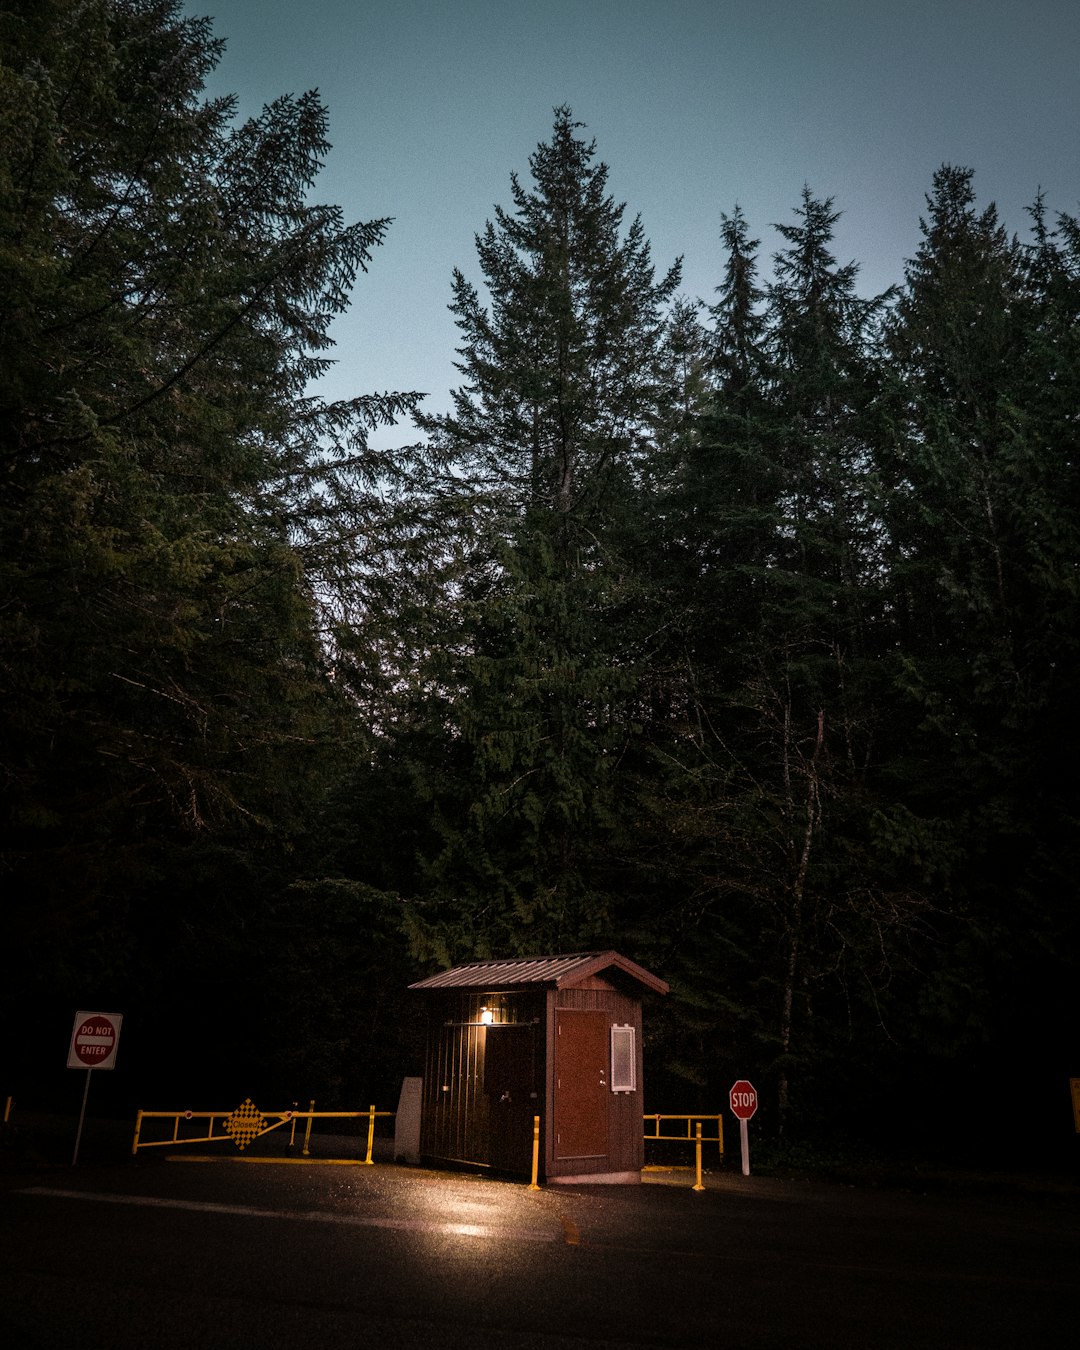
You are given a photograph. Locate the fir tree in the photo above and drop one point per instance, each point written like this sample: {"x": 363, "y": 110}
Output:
{"x": 982, "y": 527}
{"x": 176, "y": 507}
{"x": 543, "y": 457}
{"x": 770, "y": 757}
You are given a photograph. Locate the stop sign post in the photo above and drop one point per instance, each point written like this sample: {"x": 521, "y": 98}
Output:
{"x": 94, "y": 1039}
{"x": 743, "y": 1102}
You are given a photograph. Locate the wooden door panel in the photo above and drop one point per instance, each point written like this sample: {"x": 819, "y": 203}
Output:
{"x": 581, "y": 1084}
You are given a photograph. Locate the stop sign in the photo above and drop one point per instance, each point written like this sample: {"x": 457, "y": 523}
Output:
{"x": 743, "y": 1099}
{"x": 93, "y": 1040}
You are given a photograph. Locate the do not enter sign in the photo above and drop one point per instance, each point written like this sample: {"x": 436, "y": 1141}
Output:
{"x": 94, "y": 1039}
{"x": 743, "y": 1099}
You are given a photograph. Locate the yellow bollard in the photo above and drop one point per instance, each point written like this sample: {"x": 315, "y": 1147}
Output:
{"x": 292, "y": 1128}
{"x": 370, "y": 1133}
{"x": 307, "y": 1132}
{"x": 534, "y": 1185}
{"x": 135, "y": 1141}
{"x": 8, "y": 1105}
{"x": 698, "y": 1185}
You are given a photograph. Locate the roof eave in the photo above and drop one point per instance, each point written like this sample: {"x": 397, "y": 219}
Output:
{"x": 602, "y": 961}
{"x": 582, "y": 968}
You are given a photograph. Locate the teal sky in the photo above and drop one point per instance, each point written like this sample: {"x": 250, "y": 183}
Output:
{"x": 695, "y": 105}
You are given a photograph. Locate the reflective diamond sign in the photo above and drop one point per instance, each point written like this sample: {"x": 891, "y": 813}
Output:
{"x": 246, "y": 1123}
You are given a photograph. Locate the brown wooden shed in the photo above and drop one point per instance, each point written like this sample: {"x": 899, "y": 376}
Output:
{"x": 553, "y": 1036}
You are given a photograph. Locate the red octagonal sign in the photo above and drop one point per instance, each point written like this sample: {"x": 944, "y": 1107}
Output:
{"x": 94, "y": 1040}
{"x": 743, "y": 1099}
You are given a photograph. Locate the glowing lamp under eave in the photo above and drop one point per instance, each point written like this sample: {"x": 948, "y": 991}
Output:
{"x": 486, "y": 1016}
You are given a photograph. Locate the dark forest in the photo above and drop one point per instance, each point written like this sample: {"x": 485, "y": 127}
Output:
{"x": 740, "y": 636}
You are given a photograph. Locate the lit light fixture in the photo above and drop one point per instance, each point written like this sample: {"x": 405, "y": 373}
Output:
{"x": 486, "y": 1017}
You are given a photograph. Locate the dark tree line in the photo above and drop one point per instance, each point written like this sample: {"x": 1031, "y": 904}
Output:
{"x": 739, "y": 637}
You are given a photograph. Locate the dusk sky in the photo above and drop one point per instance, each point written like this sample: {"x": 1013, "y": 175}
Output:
{"x": 695, "y": 105}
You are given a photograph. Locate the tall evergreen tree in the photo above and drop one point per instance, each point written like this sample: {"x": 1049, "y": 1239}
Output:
{"x": 175, "y": 504}
{"x": 982, "y": 525}
{"x": 542, "y": 459}
{"x": 773, "y": 532}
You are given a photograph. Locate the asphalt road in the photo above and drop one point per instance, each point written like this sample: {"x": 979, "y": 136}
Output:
{"x": 154, "y": 1255}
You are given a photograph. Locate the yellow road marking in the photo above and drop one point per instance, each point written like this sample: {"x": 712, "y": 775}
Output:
{"x": 322, "y": 1162}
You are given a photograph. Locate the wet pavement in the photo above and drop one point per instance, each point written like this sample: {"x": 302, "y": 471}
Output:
{"x": 147, "y": 1253}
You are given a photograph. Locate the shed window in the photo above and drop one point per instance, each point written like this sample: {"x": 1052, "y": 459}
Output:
{"x": 623, "y": 1059}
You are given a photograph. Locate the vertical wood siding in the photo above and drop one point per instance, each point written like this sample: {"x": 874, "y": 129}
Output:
{"x": 477, "y": 1120}
{"x": 456, "y": 1120}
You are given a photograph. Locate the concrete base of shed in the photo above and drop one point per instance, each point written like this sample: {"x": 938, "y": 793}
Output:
{"x": 597, "y": 1179}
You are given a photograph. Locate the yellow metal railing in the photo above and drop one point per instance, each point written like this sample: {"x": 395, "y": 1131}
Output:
{"x": 245, "y": 1123}
{"x": 697, "y": 1138}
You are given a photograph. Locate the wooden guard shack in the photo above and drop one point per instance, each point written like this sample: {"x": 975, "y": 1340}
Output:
{"x": 557, "y": 1037}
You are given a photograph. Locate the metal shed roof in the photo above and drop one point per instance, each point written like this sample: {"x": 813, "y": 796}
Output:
{"x": 560, "y": 971}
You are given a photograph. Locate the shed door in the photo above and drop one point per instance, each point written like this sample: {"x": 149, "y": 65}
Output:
{"x": 581, "y": 1084}
{"x": 456, "y": 1126}
{"x": 510, "y": 1086}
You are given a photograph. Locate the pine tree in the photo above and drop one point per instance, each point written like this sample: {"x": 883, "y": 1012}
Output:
{"x": 176, "y": 507}
{"x": 982, "y": 527}
{"x": 770, "y": 790}
{"x": 543, "y": 457}
{"x": 954, "y": 490}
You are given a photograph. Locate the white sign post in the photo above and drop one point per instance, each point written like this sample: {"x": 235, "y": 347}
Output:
{"x": 743, "y": 1102}
{"x": 94, "y": 1039}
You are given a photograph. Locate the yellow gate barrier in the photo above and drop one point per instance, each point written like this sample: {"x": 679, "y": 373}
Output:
{"x": 697, "y": 1139}
{"x": 245, "y": 1123}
